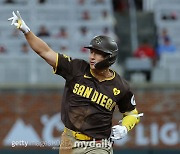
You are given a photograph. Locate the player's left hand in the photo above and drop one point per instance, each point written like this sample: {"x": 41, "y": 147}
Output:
{"x": 118, "y": 132}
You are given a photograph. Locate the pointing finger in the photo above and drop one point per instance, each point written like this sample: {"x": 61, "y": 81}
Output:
{"x": 14, "y": 14}
{"x": 11, "y": 18}
{"x": 18, "y": 14}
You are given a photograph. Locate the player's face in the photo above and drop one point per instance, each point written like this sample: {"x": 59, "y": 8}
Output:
{"x": 95, "y": 57}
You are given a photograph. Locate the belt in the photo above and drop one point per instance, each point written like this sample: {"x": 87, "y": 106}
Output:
{"x": 77, "y": 135}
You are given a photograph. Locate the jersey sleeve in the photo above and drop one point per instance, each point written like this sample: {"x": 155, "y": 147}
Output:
{"x": 127, "y": 103}
{"x": 65, "y": 66}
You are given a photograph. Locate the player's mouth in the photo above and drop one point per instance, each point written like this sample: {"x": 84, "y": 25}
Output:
{"x": 92, "y": 63}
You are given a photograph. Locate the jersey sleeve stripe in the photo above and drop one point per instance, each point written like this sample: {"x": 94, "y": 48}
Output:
{"x": 55, "y": 69}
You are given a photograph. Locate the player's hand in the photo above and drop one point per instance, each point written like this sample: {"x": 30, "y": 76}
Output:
{"x": 18, "y": 22}
{"x": 118, "y": 132}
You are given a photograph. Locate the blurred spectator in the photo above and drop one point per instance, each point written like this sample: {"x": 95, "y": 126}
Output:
{"x": 25, "y": 48}
{"x": 169, "y": 16}
{"x": 166, "y": 47}
{"x": 43, "y": 32}
{"x": 84, "y": 33}
{"x": 2, "y": 49}
{"x": 15, "y": 33}
{"x": 106, "y": 16}
{"x": 81, "y": 2}
{"x": 163, "y": 36}
{"x": 139, "y": 4}
{"x": 64, "y": 48}
{"x": 85, "y": 15}
{"x": 83, "y": 50}
{"x": 62, "y": 33}
{"x": 120, "y": 5}
{"x": 41, "y": 1}
{"x": 174, "y": 15}
{"x": 83, "y": 30}
{"x": 145, "y": 50}
{"x": 106, "y": 31}
{"x": 123, "y": 5}
{"x": 164, "y": 16}
{"x": 9, "y": 1}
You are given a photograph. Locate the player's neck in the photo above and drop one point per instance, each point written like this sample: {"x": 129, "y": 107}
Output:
{"x": 102, "y": 74}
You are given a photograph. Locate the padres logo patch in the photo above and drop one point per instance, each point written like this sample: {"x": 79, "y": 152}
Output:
{"x": 116, "y": 91}
{"x": 98, "y": 40}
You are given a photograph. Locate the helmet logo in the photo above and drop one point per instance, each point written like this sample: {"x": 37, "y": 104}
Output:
{"x": 98, "y": 40}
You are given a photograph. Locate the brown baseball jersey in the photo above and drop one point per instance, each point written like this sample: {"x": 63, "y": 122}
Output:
{"x": 88, "y": 104}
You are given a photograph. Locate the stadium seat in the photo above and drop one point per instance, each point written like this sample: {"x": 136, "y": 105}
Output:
{"x": 53, "y": 14}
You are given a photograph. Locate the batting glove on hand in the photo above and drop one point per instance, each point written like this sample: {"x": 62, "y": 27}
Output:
{"x": 18, "y": 22}
{"x": 118, "y": 132}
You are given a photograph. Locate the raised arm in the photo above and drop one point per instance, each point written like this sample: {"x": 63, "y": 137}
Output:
{"x": 38, "y": 45}
{"x": 41, "y": 48}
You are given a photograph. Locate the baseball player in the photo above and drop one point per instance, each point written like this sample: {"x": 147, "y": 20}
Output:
{"x": 91, "y": 92}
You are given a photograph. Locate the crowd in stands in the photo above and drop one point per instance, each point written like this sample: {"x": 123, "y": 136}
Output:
{"x": 9, "y": 1}
{"x": 43, "y": 32}
{"x": 146, "y": 51}
{"x": 62, "y": 33}
{"x": 165, "y": 45}
{"x": 2, "y": 49}
{"x": 123, "y": 5}
{"x": 15, "y": 1}
{"x": 84, "y": 32}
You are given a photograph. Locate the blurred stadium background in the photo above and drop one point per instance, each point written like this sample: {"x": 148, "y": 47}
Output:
{"x": 30, "y": 94}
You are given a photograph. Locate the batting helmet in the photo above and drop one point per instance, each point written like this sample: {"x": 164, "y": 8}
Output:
{"x": 106, "y": 45}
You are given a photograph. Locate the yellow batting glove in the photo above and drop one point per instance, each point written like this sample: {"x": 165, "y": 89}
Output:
{"x": 131, "y": 119}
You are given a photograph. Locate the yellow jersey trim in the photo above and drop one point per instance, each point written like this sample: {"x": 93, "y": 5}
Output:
{"x": 106, "y": 79}
{"x": 55, "y": 69}
{"x": 88, "y": 77}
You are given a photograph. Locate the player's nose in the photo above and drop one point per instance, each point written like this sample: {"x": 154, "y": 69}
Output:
{"x": 92, "y": 55}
